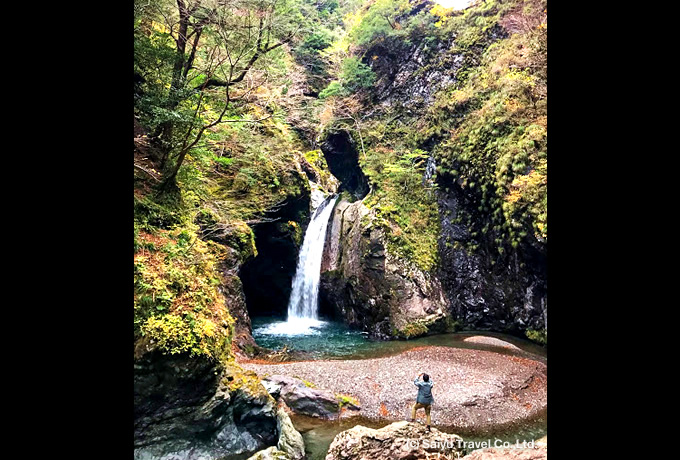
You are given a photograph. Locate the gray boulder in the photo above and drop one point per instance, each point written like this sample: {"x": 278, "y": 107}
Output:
{"x": 397, "y": 441}
{"x": 290, "y": 440}
{"x": 303, "y": 399}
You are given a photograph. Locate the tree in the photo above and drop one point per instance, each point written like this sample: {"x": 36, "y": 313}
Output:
{"x": 216, "y": 45}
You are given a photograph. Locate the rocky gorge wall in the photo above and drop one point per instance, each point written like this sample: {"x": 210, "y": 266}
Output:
{"x": 371, "y": 289}
{"x": 191, "y": 408}
{"x": 483, "y": 286}
{"x": 487, "y": 291}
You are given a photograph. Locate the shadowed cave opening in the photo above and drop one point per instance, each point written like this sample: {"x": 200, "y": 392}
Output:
{"x": 267, "y": 277}
{"x": 342, "y": 157}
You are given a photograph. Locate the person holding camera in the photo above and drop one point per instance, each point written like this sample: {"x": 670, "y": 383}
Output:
{"x": 424, "y": 399}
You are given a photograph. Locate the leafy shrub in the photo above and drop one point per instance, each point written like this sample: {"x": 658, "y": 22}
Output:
{"x": 177, "y": 304}
{"x": 537, "y": 336}
{"x": 411, "y": 330}
{"x": 354, "y": 76}
{"x": 172, "y": 334}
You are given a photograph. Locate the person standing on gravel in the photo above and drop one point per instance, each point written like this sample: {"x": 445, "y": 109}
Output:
{"x": 424, "y": 399}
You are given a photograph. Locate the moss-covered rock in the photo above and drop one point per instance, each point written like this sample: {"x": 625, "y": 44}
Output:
{"x": 177, "y": 303}
{"x": 540, "y": 336}
{"x": 371, "y": 288}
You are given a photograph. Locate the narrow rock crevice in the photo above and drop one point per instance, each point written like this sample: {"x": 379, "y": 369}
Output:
{"x": 342, "y": 157}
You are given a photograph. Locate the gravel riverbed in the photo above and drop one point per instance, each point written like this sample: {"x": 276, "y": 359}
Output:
{"x": 473, "y": 388}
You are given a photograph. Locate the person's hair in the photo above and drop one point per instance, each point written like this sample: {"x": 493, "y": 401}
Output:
{"x": 426, "y": 377}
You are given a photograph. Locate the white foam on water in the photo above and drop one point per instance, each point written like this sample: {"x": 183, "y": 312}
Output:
{"x": 293, "y": 326}
{"x": 303, "y": 305}
{"x": 304, "y": 298}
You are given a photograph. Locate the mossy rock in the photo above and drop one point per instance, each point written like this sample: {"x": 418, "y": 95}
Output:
{"x": 241, "y": 237}
{"x": 347, "y": 401}
{"x": 540, "y": 337}
{"x": 412, "y": 330}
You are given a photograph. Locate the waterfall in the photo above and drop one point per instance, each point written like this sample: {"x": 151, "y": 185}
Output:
{"x": 304, "y": 299}
{"x": 430, "y": 168}
{"x": 303, "y": 306}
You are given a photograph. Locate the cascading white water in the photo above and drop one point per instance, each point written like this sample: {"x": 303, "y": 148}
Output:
{"x": 304, "y": 299}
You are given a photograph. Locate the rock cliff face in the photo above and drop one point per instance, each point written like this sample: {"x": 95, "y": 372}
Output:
{"x": 342, "y": 158}
{"x": 368, "y": 287}
{"x": 508, "y": 295}
{"x": 402, "y": 81}
{"x": 482, "y": 290}
{"x": 194, "y": 408}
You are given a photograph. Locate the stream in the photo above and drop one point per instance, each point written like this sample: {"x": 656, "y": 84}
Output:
{"x": 330, "y": 340}
{"x": 334, "y": 340}
{"x": 310, "y": 337}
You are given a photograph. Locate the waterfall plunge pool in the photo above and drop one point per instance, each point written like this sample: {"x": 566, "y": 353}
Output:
{"x": 333, "y": 340}
{"x": 315, "y": 339}
{"x": 318, "y": 339}
{"x": 321, "y": 339}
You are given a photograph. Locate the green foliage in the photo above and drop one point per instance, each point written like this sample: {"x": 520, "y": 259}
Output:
{"x": 452, "y": 325}
{"x": 404, "y": 202}
{"x": 318, "y": 161}
{"x": 344, "y": 400}
{"x": 492, "y": 124}
{"x": 540, "y": 337}
{"x": 412, "y": 330}
{"x": 378, "y": 20}
{"x": 166, "y": 212}
{"x": 232, "y": 174}
{"x": 172, "y": 334}
{"x": 487, "y": 131}
{"x": 354, "y": 76}
{"x": 309, "y": 52}
{"x": 257, "y": 169}
{"x": 177, "y": 304}
{"x": 334, "y": 88}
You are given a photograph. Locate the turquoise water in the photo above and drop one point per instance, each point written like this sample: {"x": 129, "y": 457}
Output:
{"x": 323, "y": 340}
{"x": 333, "y": 340}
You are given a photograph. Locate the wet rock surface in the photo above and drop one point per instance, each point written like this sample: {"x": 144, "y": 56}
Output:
{"x": 508, "y": 295}
{"x": 369, "y": 288}
{"x": 301, "y": 398}
{"x": 189, "y": 408}
{"x": 484, "y": 291}
{"x": 473, "y": 389}
{"x": 290, "y": 440}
